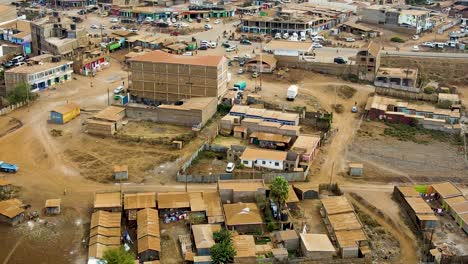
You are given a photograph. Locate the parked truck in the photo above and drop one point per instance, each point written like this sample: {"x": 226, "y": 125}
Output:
{"x": 292, "y": 92}
{"x": 7, "y": 167}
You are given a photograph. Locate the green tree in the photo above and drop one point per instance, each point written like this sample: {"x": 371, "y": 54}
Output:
{"x": 223, "y": 253}
{"x": 21, "y": 93}
{"x": 279, "y": 191}
{"x": 222, "y": 235}
{"x": 118, "y": 256}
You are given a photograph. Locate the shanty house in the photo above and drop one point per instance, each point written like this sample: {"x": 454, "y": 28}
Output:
{"x": 288, "y": 238}
{"x": 173, "y": 200}
{"x": 148, "y": 235}
{"x": 64, "y": 113}
{"x": 245, "y": 249}
{"x": 52, "y": 206}
{"x": 420, "y": 213}
{"x": 352, "y": 243}
{"x": 270, "y": 140}
{"x": 444, "y": 191}
{"x": 243, "y": 217}
{"x": 234, "y": 191}
{"x": 111, "y": 201}
{"x": 104, "y": 234}
{"x": 203, "y": 237}
{"x": 121, "y": 172}
{"x": 269, "y": 159}
{"x": 11, "y": 211}
{"x": 317, "y": 247}
{"x": 305, "y": 190}
{"x": 307, "y": 147}
{"x": 106, "y": 122}
{"x": 136, "y": 201}
{"x": 292, "y": 200}
{"x": 149, "y": 248}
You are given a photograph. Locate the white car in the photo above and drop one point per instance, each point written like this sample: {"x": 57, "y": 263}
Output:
{"x": 114, "y": 20}
{"x": 208, "y": 26}
{"x": 415, "y": 37}
{"x": 230, "y": 167}
{"x": 415, "y": 48}
{"x": 318, "y": 38}
{"x": 350, "y": 40}
{"x": 119, "y": 90}
{"x": 286, "y": 35}
{"x": 278, "y": 36}
{"x": 207, "y": 19}
{"x": 428, "y": 44}
{"x": 241, "y": 71}
{"x": 230, "y": 49}
{"x": 134, "y": 30}
{"x": 188, "y": 53}
{"x": 217, "y": 21}
{"x": 149, "y": 19}
{"x": 94, "y": 26}
{"x": 247, "y": 56}
{"x": 213, "y": 45}
{"x": 123, "y": 28}
{"x": 183, "y": 24}
{"x": 317, "y": 45}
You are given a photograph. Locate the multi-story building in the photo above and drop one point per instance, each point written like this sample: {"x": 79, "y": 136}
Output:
{"x": 72, "y": 3}
{"x": 39, "y": 76}
{"x": 18, "y": 32}
{"x": 57, "y": 35}
{"x": 160, "y": 77}
{"x": 109, "y": 4}
{"x": 412, "y": 20}
{"x": 368, "y": 61}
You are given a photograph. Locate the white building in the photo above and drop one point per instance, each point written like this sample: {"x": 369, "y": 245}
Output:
{"x": 264, "y": 158}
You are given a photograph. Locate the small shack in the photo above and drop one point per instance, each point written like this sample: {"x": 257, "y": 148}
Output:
{"x": 11, "y": 211}
{"x": 317, "y": 246}
{"x": 306, "y": 190}
{"x": 203, "y": 237}
{"x": 106, "y": 122}
{"x": 288, "y": 238}
{"x": 136, "y": 201}
{"x": 149, "y": 248}
{"x": 64, "y": 113}
{"x": 53, "y": 206}
{"x": 121, "y": 172}
{"x": 110, "y": 201}
{"x": 356, "y": 169}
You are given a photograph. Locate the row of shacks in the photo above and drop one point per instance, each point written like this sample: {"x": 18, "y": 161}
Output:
{"x": 232, "y": 205}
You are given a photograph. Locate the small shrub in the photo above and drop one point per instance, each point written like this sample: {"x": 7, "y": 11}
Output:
{"x": 397, "y": 40}
{"x": 271, "y": 226}
{"x": 444, "y": 105}
{"x": 429, "y": 90}
{"x": 338, "y": 108}
{"x": 56, "y": 132}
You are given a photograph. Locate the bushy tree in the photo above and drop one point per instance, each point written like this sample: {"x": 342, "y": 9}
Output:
{"x": 222, "y": 235}
{"x": 21, "y": 93}
{"x": 223, "y": 251}
{"x": 118, "y": 256}
{"x": 279, "y": 191}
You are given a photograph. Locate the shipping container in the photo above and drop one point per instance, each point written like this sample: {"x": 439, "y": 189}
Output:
{"x": 65, "y": 113}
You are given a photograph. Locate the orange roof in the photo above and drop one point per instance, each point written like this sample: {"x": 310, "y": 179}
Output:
{"x": 139, "y": 200}
{"x": 158, "y": 56}
{"x": 11, "y": 208}
{"x": 242, "y": 214}
{"x": 265, "y": 154}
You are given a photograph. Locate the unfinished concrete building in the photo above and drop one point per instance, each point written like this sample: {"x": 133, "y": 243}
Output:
{"x": 397, "y": 78}
{"x": 368, "y": 61}
{"x": 160, "y": 77}
{"x": 57, "y": 35}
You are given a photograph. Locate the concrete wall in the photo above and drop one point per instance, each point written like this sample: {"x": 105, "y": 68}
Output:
{"x": 320, "y": 67}
{"x": 172, "y": 116}
{"x": 452, "y": 70}
{"x": 406, "y": 94}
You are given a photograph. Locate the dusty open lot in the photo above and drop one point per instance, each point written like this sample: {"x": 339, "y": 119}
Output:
{"x": 389, "y": 159}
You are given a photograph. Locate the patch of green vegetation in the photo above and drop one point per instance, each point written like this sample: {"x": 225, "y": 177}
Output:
{"x": 397, "y": 40}
{"x": 366, "y": 219}
{"x": 429, "y": 90}
{"x": 420, "y": 135}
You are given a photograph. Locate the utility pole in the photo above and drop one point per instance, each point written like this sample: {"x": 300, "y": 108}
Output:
{"x": 108, "y": 97}
{"x": 331, "y": 176}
